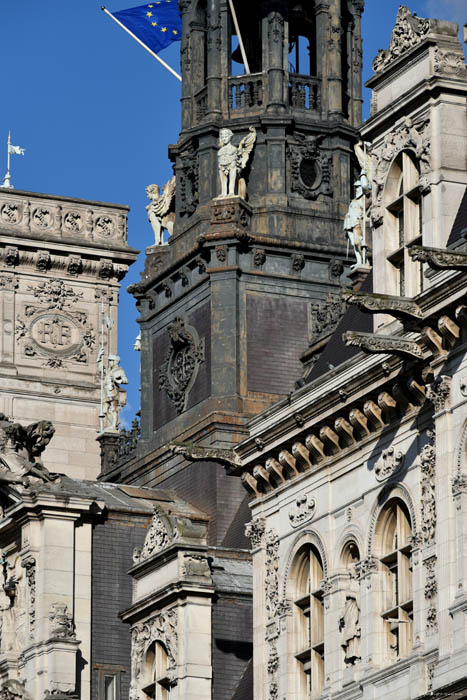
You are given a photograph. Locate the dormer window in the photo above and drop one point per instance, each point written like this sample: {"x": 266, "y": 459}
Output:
{"x": 403, "y": 224}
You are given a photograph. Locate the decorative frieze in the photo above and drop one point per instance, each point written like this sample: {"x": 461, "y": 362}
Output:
{"x": 439, "y": 258}
{"x": 55, "y": 294}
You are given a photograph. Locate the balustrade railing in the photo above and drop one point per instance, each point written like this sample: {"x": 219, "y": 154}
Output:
{"x": 246, "y": 92}
{"x": 304, "y": 92}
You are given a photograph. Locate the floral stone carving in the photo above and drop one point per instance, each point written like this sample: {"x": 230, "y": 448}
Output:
{"x": 310, "y": 168}
{"x": 55, "y": 294}
{"x": 254, "y": 530}
{"x": 428, "y": 466}
{"x": 180, "y": 368}
{"x": 162, "y": 628}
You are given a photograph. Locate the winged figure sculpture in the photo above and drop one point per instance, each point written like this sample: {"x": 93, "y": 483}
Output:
{"x": 161, "y": 210}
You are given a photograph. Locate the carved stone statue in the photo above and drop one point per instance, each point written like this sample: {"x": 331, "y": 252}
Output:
{"x": 232, "y": 160}
{"x": 14, "y": 690}
{"x": 161, "y": 211}
{"x": 349, "y": 624}
{"x": 353, "y": 222}
{"x": 20, "y": 448}
{"x": 113, "y": 376}
{"x": 13, "y": 612}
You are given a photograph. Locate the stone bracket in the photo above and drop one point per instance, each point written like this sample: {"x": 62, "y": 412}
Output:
{"x": 439, "y": 258}
{"x": 372, "y": 343}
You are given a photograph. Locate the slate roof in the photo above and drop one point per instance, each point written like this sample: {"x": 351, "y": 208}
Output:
{"x": 459, "y": 229}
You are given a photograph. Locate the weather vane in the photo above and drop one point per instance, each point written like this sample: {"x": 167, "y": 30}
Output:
{"x": 12, "y": 150}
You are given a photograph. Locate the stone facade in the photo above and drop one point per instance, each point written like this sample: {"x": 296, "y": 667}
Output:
{"x": 357, "y": 523}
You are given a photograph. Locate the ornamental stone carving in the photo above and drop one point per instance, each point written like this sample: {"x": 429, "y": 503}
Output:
{"x": 303, "y": 511}
{"x": 42, "y": 218}
{"x": 42, "y": 261}
{"x": 29, "y": 564}
{"x": 254, "y": 530}
{"x": 55, "y": 294}
{"x": 180, "y": 368}
{"x": 232, "y": 161}
{"x": 388, "y": 464}
{"x": 414, "y": 136}
{"x": 11, "y": 256}
{"x": 20, "y": 450}
{"x": 439, "y": 392}
{"x": 272, "y": 576}
{"x": 384, "y": 303}
{"x": 61, "y": 623}
{"x": 372, "y": 343}
{"x": 428, "y": 502}
{"x": 73, "y": 222}
{"x": 326, "y": 316}
{"x": 157, "y": 537}
{"x": 14, "y": 690}
{"x": 56, "y": 335}
{"x": 195, "y": 565}
{"x": 8, "y": 282}
{"x": 310, "y": 167}
{"x": 11, "y": 213}
{"x": 189, "y": 179}
{"x": 349, "y": 626}
{"x": 449, "y": 62}
{"x": 408, "y": 32}
{"x": 439, "y": 258}
{"x": 162, "y": 628}
{"x": 104, "y": 226}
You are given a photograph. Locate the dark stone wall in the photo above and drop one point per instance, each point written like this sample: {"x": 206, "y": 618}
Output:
{"x": 112, "y": 549}
{"x": 232, "y": 624}
{"x": 164, "y": 410}
{"x": 277, "y": 336}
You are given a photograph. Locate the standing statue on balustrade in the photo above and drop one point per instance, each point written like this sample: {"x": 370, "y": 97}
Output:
{"x": 232, "y": 161}
{"x": 161, "y": 211}
{"x": 113, "y": 399}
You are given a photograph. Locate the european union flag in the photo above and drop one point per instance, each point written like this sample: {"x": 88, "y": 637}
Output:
{"x": 157, "y": 24}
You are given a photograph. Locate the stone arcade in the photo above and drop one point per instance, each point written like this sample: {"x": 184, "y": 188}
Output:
{"x": 289, "y": 519}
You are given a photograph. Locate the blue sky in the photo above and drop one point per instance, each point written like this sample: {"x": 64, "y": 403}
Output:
{"x": 95, "y": 112}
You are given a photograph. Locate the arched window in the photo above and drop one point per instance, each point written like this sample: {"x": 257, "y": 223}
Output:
{"x": 308, "y": 631}
{"x": 156, "y": 683}
{"x": 394, "y": 551}
{"x": 302, "y": 38}
{"x": 250, "y": 24}
{"x": 403, "y": 224}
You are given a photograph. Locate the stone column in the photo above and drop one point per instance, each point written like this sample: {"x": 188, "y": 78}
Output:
{"x": 255, "y": 531}
{"x": 275, "y": 61}
{"x": 335, "y": 60}
{"x": 372, "y": 586}
{"x": 216, "y": 22}
{"x": 459, "y": 607}
{"x": 355, "y": 107}
{"x": 322, "y": 48}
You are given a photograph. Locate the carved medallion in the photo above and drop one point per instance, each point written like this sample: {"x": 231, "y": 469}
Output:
{"x": 303, "y": 511}
{"x": 104, "y": 226}
{"x": 42, "y": 218}
{"x": 11, "y": 213}
{"x": 56, "y": 333}
{"x": 389, "y": 463}
{"x": 73, "y": 222}
{"x": 179, "y": 371}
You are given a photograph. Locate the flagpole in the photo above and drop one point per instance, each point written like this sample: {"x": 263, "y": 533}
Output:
{"x": 8, "y": 160}
{"x": 7, "y": 179}
{"x": 240, "y": 40}
{"x": 166, "y": 65}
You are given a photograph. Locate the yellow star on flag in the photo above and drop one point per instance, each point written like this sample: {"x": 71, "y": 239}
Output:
{"x": 164, "y": 29}
{"x": 154, "y": 24}
{"x": 148, "y": 14}
{"x": 174, "y": 31}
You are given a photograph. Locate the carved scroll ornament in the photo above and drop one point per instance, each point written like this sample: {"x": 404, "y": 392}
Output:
{"x": 180, "y": 368}
{"x": 310, "y": 167}
{"x": 162, "y": 628}
{"x": 408, "y": 31}
{"x": 372, "y": 343}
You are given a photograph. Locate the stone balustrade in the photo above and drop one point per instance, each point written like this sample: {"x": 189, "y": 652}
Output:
{"x": 245, "y": 92}
{"x": 304, "y": 92}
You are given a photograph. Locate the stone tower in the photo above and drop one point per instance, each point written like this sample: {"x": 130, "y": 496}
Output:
{"x": 236, "y": 270}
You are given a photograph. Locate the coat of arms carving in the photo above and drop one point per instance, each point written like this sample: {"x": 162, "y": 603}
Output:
{"x": 179, "y": 371}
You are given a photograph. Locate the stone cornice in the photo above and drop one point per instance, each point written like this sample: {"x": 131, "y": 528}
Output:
{"x": 384, "y": 303}
{"x": 439, "y": 258}
{"x": 388, "y": 344}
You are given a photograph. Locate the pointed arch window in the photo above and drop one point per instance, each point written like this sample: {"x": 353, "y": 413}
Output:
{"x": 403, "y": 224}
{"x": 308, "y": 622}
{"x": 395, "y": 553}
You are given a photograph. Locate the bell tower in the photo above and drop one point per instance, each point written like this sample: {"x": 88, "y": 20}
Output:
{"x": 229, "y": 306}
{"x": 300, "y": 87}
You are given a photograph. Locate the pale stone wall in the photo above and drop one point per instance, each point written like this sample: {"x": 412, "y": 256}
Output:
{"x": 61, "y": 260}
